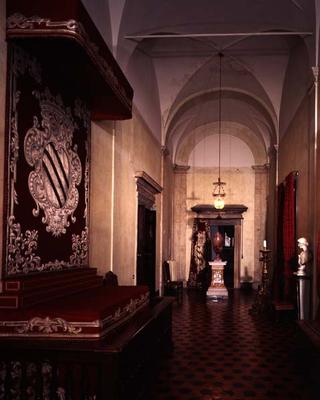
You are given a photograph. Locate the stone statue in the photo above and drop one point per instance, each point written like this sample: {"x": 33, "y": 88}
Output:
{"x": 304, "y": 257}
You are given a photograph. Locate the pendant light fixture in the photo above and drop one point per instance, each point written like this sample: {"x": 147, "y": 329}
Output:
{"x": 218, "y": 188}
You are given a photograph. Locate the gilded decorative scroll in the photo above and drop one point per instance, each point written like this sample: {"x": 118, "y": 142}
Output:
{"x": 48, "y": 325}
{"x": 79, "y": 248}
{"x": 56, "y": 166}
{"x": 21, "y": 250}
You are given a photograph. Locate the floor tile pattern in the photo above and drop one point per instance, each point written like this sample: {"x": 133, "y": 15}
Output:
{"x": 221, "y": 352}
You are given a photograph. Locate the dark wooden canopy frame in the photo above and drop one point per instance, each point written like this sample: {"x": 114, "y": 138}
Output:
{"x": 230, "y": 215}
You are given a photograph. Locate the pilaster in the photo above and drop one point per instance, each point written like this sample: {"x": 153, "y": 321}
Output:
{"x": 180, "y": 218}
{"x": 260, "y": 213}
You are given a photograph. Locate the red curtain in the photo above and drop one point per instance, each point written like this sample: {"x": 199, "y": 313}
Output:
{"x": 289, "y": 233}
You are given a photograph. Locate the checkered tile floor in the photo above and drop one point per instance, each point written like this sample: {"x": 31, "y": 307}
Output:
{"x": 221, "y": 352}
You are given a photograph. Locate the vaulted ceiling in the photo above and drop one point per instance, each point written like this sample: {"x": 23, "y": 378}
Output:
{"x": 169, "y": 51}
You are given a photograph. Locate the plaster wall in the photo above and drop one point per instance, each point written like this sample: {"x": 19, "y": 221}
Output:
{"x": 99, "y": 13}
{"x": 116, "y": 9}
{"x": 101, "y": 196}
{"x": 240, "y": 189}
{"x": 3, "y": 64}
{"x": 172, "y": 74}
{"x": 180, "y": 223}
{"x": 135, "y": 150}
{"x": 298, "y": 81}
{"x": 260, "y": 216}
{"x": 295, "y": 154}
{"x": 141, "y": 75}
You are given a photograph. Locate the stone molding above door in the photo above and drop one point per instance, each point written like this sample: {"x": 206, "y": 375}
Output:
{"x": 147, "y": 188}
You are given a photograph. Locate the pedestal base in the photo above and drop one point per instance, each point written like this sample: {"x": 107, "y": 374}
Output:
{"x": 303, "y": 296}
{"x": 217, "y": 288}
{"x": 217, "y": 292}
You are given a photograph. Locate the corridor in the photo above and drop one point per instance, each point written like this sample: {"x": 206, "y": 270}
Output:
{"x": 221, "y": 352}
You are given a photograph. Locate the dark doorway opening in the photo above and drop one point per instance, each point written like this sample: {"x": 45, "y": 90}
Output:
{"x": 146, "y": 252}
{"x": 227, "y": 231}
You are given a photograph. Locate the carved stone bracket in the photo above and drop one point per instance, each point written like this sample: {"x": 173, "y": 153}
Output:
{"x": 165, "y": 151}
{"x": 181, "y": 169}
{"x": 261, "y": 168}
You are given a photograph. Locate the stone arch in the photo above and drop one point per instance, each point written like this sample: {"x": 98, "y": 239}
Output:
{"x": 240, "y": 131}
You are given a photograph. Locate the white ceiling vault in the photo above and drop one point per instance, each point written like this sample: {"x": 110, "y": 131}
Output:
{"x": 169, "y": 51}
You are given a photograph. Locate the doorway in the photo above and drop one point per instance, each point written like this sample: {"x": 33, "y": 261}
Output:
{"x": 227, "y": 254}
{"x": 147, "y": 189}
{"x": 146, "y": 248}
{"x": 229, "y": 220}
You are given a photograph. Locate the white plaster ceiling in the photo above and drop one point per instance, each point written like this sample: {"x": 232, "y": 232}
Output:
{"x": 175, "y": 79}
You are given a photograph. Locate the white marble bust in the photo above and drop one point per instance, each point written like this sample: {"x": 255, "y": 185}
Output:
{"x": 304, "y": 257}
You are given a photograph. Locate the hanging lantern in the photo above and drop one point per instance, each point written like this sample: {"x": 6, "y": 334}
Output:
{"x": 218, "y": 189}
{"x": 218, "y": 194}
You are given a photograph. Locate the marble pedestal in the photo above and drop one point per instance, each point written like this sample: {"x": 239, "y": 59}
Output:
{"x": 217, "y": 288}
{"x": 303, "y": 296}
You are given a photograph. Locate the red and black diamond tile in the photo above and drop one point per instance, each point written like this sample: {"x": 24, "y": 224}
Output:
{"x": 221, "y": 352}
